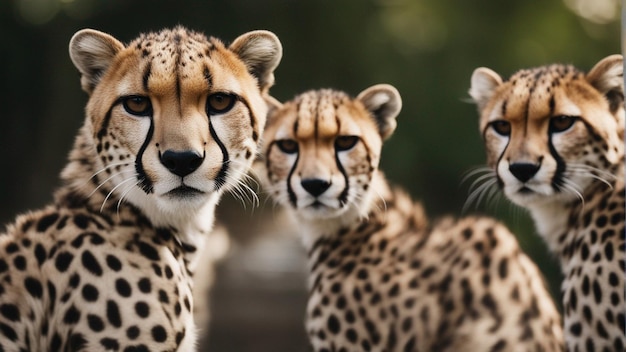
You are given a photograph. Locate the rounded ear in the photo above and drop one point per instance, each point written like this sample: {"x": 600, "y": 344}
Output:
{"x": 483, "y": 84}
{"x": 261, "y": 51}
{"x": 92, "y": 52}
{"x": 273, "y": 105}
{"x": 607, "y": 76}
{"x": 383, "y": 101}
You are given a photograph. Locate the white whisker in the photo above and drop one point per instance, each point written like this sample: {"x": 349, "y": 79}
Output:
{"x": 105, "y": 181}
{"x": 113, "y": 190}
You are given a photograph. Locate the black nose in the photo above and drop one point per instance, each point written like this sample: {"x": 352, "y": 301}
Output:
{"x": 181, "y": 163}
{"x": 524, "y": 171}
{"x": 315, "y": 186}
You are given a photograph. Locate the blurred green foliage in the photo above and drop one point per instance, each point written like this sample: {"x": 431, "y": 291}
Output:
{"x": 426, "y": 48}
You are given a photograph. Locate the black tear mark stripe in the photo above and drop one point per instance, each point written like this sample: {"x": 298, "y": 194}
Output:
{"x": 557, "y": 180}
{"x": 343, "y": 197}
{"x": 144, "y": 181}
{"x": 290, "y": 192}
{"x": 220, "y": 179}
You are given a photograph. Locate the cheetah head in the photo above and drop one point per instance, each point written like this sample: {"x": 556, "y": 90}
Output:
{"x": 322, "y": 149}
{"x": 173, "y": 118}
{"x": 551, "y": 131}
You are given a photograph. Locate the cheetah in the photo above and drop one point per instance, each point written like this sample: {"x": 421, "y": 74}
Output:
{"x": 382, "y": 277}
{"x": 172, "y": 121}
{"x": 554, "y": 141}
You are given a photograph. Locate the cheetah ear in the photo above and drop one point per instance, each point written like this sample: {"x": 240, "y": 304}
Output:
{"x": 261, "y": 51}
{"x": 273, "y": 106}
{"x": 92, "y": 52}
{"x": 607, "y": 76}
{"x": 383, "y": 101}
{"x": 483, "y": 84}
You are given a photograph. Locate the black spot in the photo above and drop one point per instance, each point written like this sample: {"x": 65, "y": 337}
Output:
{"x": 179, "y": 336}
{"x": 19, "y": 262}
{"x": 132, "y": 332}
{"x": 10, "y": 311}
{"x": 575, "y": 329}
{"x": 148, "y": 251}
{"x": 40, "y": 254}
{"x": 33, "y": 286}
{"x": 91, "y": 263}
{"x": 498, "y": 346}
{"x": 3, "y": 266}
{"x": 407, "y": 323}
{"x": 63, "y": 261}
{"x": 142, "y": 309}
{"x": 145, "y": 285}
{"x": 90, "y": 293}
{"x": 590, "y": 345}
{"x": 55, "y": 343}
{"x": 362, "y": 274}
{"x": 597, "y": 291}
{"x": 123, "y": 287}
{"x": 608, "y": 251}
{"x": 72, "y": 316}
{"x": 163, "y": 298}
{"x": 81, "y": 221}
{"x": 74, "y": 280}
{"x": 45, "y": 222}
{"x": 503, "y": 268}
{"x": 137, "y": 348}
{"x": 410, "y": 345}
{"x": 110, "y": 344}
{"x": 95, "y": 323}
{"x": 113, "y": 314}
{"x": 77, "y": 342}
{"x": 333, "y": 324}
{"x": 12, "y": 248}
{"x": 613, "y": 279}
{"x": 168, "y": 272}
{"x": 113, "y": 263}
{"x": 158, "y": 333}
{"x": 351, "y": 335}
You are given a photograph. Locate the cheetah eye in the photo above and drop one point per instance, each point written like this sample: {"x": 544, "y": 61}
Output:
{"x": 137, "y": 105}
{"x": 287, "y": 146}
{"x": 343, "y": 143}
{"x": 501, "y": 127}
{"x": 561, "y": 123}
{"x": 220, "y": 103}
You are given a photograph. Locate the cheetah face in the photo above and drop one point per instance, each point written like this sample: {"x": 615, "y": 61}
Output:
{"x": 175, "y": 117}
{"x": 551, "y": 131}
{"x": 322, "y": 148}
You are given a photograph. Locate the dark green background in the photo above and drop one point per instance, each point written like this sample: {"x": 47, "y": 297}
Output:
{"x": 426, "y": 48}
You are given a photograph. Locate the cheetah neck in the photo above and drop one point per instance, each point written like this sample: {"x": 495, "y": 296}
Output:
{"x": 561, "y": 224}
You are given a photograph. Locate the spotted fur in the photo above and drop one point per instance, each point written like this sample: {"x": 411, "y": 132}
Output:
{"x": 171, "y": 123}
{"x": 554, "y": 140}
{"x": 381, "y": 276}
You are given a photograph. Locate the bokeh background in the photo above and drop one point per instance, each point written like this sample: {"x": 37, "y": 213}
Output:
{"x": 426, "y": 48}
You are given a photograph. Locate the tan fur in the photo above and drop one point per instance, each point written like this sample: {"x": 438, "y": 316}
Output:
{"x": 382, "y": 277}
{"x": 571, "y": 179}
{"x": 109, "y": 265}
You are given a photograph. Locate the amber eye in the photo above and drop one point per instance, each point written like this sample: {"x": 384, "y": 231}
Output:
{"x": 288, "y": 146}
{"x": 219, "y": 103}
{"x": 137, "y": 105}
{"x": 345, "y": 142}
{"x": 561, "y": 123}
{"x": 501, "y": 127}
